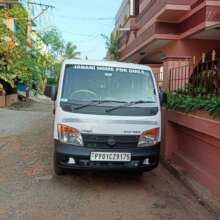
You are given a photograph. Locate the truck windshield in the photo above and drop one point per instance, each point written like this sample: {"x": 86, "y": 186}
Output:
{"x": 88, "y": 83}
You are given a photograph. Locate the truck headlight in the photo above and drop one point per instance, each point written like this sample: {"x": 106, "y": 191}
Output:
{"x": 69, "y": 135}
{"x": 149, "y": 138}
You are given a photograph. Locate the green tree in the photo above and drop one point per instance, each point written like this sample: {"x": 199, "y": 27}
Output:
{"x": 70, "y": 51}
{"x": 59, "y": 49}
{"x": 55, "y": 42}
{"x": 11, "y": 53}
{"x": 38, "y": 64}
{"x": 8, "y": 54}
{"x": 112, "y": 46}
{"x": 17, "y": 63}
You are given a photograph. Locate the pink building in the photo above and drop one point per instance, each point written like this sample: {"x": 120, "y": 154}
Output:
{"x": 170, "y": 34}
{"x": 167, "y": 32}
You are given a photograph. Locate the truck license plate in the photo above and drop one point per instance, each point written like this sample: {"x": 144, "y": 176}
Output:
{"x": 110, "y": 156}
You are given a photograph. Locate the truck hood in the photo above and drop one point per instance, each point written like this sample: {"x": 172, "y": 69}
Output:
{"x": 104, "y": 124}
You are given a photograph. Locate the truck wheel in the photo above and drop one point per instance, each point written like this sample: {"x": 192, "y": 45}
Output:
{"x": 58, "y": 171}
{"x": 136, "y": 173}
{"x": 140, "y": 173}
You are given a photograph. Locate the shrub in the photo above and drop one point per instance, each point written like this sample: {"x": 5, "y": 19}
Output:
{"x": 190, "y": 103}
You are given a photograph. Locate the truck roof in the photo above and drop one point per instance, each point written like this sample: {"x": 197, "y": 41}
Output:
{"x": 107, "y": 63}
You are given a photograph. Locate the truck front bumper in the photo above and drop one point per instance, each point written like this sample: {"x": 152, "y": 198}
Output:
{"x": 81, "y": 156}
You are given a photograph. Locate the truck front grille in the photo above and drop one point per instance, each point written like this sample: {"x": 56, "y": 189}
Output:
{"x": 110, "y": 141}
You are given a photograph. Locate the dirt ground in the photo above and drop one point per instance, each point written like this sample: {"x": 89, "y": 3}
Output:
{"x": 29, "y": 190}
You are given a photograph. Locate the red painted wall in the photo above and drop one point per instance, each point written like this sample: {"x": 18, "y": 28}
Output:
{"x": 187, "y": 47}
{"x": 192, "y": 142}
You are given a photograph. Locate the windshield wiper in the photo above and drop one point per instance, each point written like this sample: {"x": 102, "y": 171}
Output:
{"x": 96, "y": 103}
{"x": 127, "y": 105}
{"x": 109, "y": 100}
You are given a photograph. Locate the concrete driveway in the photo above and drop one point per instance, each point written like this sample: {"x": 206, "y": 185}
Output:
{"x": 30, "y": 191}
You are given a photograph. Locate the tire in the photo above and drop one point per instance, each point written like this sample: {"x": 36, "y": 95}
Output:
{"x": 57, "y": 170}
{"x": 136, "y": 173}
{"x": 139, "y": 173}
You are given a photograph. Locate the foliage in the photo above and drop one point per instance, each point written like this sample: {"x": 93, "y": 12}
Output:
{"x": 190, "y": 89}
{"x": 55, "y": 42}
{"x": 21, "y": 23}
{"x": 207, "y": 76}
{"x": 57, "y": 69}
{"x": 59, "y": 50}
{"x": 51, "y": 81}
{"x": 38, "y": 65}
{"x": 189, "y": 103}
{"x": 112, "y": 45}
{"x": 57, "y": 46}
{"x": 42, "y": 85}
{"x": 12, "y": 50}
{"x": 1, "y": 89}
{"x": 10, "y": 66}
{"x": 70, "y": 51}
{"x": 20, "y": 63}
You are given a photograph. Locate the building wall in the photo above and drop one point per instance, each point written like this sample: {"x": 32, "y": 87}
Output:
{"x": 123, "y": 13}
{"x": 177, "y": 31}
{"x": 189, "y": 48}
{"x": 165, "y": 24}
{"x": 192, "y": 143}
{"x": 144, "y": 4}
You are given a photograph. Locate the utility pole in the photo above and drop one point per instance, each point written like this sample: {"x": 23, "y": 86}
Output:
{"x": 29, "y": 23}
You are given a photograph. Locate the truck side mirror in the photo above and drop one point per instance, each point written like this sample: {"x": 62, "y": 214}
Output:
{"x": 163, "y": 97}
{"x": 53, "y": 92}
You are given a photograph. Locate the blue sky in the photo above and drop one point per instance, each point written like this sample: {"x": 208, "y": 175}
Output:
{"x": 78, "y": 21}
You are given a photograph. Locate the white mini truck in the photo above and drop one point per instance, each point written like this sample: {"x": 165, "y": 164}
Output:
{"x": 107, "y": 117}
